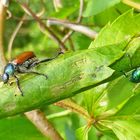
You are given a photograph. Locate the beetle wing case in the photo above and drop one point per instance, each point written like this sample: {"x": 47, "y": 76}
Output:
{"x": 23, "y": 57}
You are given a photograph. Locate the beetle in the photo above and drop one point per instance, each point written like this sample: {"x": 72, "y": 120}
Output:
{"x": 135, "y": 76}
{"x": 23, "y": 64}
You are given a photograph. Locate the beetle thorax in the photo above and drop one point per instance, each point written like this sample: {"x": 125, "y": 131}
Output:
{"x": 9, "y": 69}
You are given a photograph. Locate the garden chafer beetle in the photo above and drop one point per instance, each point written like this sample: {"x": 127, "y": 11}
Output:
{"x": 23, "y": 64}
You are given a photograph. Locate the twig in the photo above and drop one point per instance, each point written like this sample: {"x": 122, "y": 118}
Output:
{"x": 76, "y": 27}
{"x": 10, "y": 44}
{"x": 9, "y": 14}
{"x": 38, "y": 118}
{"x": 49, "y": 20}
{"x": 57, "y": 4}
{"x": 133, "y": 4}
{"x": 80, "y": 11}
{"x": 42, "y": 25}
{"x": 71, "y": 44}
{"x": 78, "y": 21}
{"x": 64, "y": 39}
{"x": 59, "y": 114}
{"x": 45, "y": 18}
{"x": 69, "y": 104}
{"x": 3, "y": 9}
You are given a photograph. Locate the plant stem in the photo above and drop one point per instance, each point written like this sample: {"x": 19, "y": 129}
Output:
{"x": 2, "y": 19}
{"x": 57, "y": 4}
{"x": 133, "y": 4}
{"x": 10, "y": 44}
{"x": 78, "y": 21}
{"x": 73, "y": 26}
{"x": 69, "y": 104}
{"x": 59, "y": 114}
{"x": 38, "y": 118}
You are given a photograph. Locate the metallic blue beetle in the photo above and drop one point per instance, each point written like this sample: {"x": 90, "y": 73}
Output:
{"x": 135, "y": 76}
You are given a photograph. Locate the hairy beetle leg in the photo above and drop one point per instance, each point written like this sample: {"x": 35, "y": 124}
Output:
{"x": 41, "y": 61}
{"x": 45, "y": 60}
{"x": 18, "y": 85}
{"x": 37, "y": 73}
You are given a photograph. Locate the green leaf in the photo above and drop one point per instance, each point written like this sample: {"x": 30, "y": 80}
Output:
{"x": 82, "y": 133}
{"x": 122, "y": 113}
{"x": 126, "y": 122}
{"x": 92, "y": 134}
{"x": 110, "y": 14}
{"x": 125, "y": 63}
{"x": 106, "y": 16}
{"x": 125, "y": 26}
{"x": 64, "y": 12}
{"x": 122, "y": 109}
{"x": 110, "y": 96}
{"x": 124, "y": 128}
{"x": 106, "y": 137}
{"x": 82, "y": 41}
{"x": 96, "y": 6}
{"x": 92, "y": 98}
{"x": 68, "y": 75}
{"x": 131, "y": 107}
{"x": 117, "y": 93}
{"x": 18, "y": 127}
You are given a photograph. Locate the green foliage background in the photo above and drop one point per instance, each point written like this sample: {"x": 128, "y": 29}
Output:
{"x": 107, "y": 95}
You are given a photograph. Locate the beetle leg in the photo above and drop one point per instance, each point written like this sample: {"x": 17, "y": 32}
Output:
{"x": 48, "y": 59}
{"x": 45, "y": 60}
{"x": 41, "y": 61}
{"x": 18, "y": 85}
{"x": 37, "y": 73}
{"x": 34, "y": 72}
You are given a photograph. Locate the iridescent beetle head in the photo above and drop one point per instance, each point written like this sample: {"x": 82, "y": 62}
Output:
{"x": 8, "y": 71}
